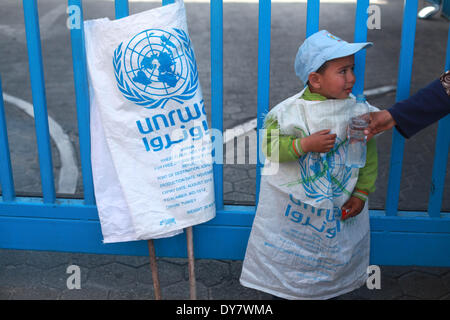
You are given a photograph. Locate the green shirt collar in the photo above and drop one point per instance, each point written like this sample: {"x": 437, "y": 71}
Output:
{"x": 309, "y": 96}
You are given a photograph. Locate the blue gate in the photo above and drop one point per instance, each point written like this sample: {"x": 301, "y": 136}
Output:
{"x": 60, "y": 224}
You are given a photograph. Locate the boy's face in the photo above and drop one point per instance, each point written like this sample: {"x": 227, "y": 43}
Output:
{"x": 337, "y": 81}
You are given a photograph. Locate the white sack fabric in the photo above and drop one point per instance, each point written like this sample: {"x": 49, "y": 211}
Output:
{"x": 150, "y": 142}
{"x": 298, "y": 247}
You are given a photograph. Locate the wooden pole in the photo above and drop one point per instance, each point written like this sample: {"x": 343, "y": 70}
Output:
{"x": 154, "y": 268}
{"x": 190, "y": 251}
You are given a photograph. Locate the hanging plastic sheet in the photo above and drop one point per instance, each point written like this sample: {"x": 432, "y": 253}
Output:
{"x": 151, "y": 146}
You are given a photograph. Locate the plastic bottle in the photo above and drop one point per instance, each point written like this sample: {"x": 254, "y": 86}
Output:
{"x": 358, "y": 120}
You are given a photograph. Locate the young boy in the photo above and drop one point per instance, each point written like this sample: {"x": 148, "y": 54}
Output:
{"x": 301, "y": 245}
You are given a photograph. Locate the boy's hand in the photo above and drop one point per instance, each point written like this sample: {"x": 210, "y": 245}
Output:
{"x": 352, "y": 208}
{"x": 321, "y": 141}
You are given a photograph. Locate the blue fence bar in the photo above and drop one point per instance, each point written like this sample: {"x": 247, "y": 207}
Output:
{"x": 312, "y": 17}
{"x": 121, "y": 8}
{"x": 82, "y": 101}
{"x": 216, "y": 13}
{"x": 264, "y": 21}
{"x": 360, "y": 36}
{"x": 39, "y": 100}
{"x": 403, "y": 88}
{"x": 440, "y": 157}
{"x": 6, "y": 177}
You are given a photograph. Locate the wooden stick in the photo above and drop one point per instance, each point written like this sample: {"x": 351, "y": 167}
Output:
{"x": 154, "y": 268}
{"x": 190, "y": 251}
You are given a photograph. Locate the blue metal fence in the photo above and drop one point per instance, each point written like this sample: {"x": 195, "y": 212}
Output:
{"x": 50, "y": 223}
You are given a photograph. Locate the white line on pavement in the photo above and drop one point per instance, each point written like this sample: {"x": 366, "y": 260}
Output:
{"x": 46, "y": 22}
{"x": 68, "y": 174}
{"x": 245, "y": 127}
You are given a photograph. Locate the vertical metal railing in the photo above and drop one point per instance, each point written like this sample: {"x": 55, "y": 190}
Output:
{"x": 216, "y": 16}
{"x": 360, "y": 35}
{"x": 312, "y": 17}
{"x": 440, "y": 157}
{"x": 264, "y": 23}
{"x": 6, "y": 177}
{"x": 403, "y": 88}
{"x": 82, "y": 104}
{"x": 39, "y": 99}
{"x": 121, "y": 8}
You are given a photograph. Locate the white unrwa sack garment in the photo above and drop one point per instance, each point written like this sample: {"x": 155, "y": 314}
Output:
{"x": 151, "y": 146}
{"x": 298, "y": 247}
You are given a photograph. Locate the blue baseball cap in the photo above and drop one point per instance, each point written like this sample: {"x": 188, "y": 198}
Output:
{"x": 321, "y": 47}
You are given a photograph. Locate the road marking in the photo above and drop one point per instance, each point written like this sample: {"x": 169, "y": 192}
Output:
{"x": 48, "y": 20}
{"x": 46, "y": 23}
{"x": 379, "y": 90}
{"x": 68, "y": 173}
{"x": 239, "y": 130}
{"x": 244, "y": 128}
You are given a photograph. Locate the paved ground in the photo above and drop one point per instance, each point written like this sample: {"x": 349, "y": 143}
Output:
{"x": 32, "y": 275}
{"x": 42, "y": 275}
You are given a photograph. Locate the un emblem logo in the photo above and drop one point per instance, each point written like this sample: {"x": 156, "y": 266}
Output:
{"x": 324, "y": 173}
{"x": 155, "y": 67}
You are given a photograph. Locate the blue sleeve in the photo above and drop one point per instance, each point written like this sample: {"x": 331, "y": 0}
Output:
{"x": 428, "y": 105}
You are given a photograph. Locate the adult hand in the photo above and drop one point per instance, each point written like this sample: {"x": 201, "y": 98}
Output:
{"x": 321, "y": 141}
{"x": 379, "y": 121}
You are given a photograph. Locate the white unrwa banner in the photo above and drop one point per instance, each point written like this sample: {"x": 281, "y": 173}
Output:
{"x": 151, "y": 146}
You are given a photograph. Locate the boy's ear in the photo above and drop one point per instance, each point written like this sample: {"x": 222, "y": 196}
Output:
{"x": 314, "y": 80}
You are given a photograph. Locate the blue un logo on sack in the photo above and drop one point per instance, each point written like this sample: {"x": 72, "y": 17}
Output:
{"x": 155, "y": 67}
{"x": 325, "y": 176}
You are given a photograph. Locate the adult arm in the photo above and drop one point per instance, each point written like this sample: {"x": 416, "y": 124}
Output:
{"x": 425, "y": 107}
